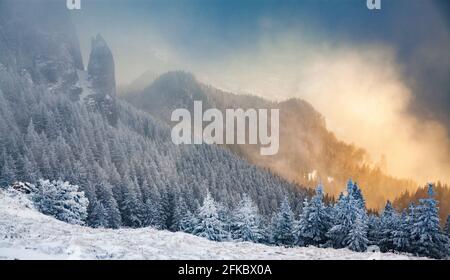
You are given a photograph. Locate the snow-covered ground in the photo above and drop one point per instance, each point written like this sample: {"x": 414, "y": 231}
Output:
{"x": 27, "y": 234}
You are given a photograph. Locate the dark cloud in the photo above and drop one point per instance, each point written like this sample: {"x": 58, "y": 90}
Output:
{"x": 207, "y": 30}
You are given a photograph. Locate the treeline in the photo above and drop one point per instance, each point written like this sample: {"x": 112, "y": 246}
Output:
{"x": 306, "y": 144}
{"x": 442, "y": 195}
{"x": 345, "y": 224}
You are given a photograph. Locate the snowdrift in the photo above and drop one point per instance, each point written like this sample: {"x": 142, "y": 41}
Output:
{"x": 27, "y": 234}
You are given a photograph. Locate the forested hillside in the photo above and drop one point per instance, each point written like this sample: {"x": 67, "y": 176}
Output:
{"x": 60, "y": 122}
{"x": 309, "y": 153}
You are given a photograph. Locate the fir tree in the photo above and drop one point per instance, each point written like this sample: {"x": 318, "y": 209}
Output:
{"x": 246, "y": 222}
{"x": 373, "y": 233}
{"x": 182, "y": 217}
{"x": 389, "y": 223}
{"x": 357, "y": 237}
{"x": 427, "y": 237}
{"x": 447, "y": 226}
{"x": 61, "y": 200}
{"x": 283, "y": 225}
{"x": 8, "y": 173}
{"x": 209, "y": 225}
{"x": 314, "y": 221}
{"x": 401, "y": 234}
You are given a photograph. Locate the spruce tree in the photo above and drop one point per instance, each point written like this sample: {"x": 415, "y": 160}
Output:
{"x": 402, "y": 233}
{"x": 209, "y": 225}
{"x": 283, "y": 225}
{"x": 314, "y": 221}
{"x": 357, "y": 236}
{"x": 246, "y": 224}
{"x": 447, "y": 226}
{"x": 61, "y": 200}
{"x": 427, "y": 237}
{"x": 389, "y": 223}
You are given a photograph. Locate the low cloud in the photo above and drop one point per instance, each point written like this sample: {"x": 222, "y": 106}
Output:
{"x": 358, "y": 88}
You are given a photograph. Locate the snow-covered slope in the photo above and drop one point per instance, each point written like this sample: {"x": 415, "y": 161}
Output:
{"x": 27, "y": 234}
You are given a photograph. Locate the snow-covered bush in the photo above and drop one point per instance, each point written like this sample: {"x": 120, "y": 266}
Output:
{"x": 61, "y": 200}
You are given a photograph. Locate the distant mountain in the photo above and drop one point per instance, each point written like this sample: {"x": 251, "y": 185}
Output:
{"x": 309, "y": 153}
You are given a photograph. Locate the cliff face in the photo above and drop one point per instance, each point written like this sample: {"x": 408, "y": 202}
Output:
{"x": 101, "y": 68}
{"x": 39, "y": 39}
{"x": 101, "y": 79}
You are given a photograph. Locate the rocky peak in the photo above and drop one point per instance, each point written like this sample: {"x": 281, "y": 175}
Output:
{"x": 101, "y": 68}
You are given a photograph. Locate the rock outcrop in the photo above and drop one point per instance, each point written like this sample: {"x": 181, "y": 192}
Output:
{"x": 38, "y": 39}
{"x": 101, "y": 68}
{"x": 101, "y": 77}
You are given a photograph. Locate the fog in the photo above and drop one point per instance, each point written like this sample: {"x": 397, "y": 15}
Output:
{"x": 380, "y": 81}
{"x": 359, "y": 89}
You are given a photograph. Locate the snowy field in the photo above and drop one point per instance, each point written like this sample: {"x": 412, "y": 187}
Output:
{"x": 28, "y": 234}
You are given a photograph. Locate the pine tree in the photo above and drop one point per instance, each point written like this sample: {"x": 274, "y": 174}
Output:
{"x": 357, "y": 237}
{"x": 428, "y": 239}
{"x": 246, "y": 222}
{"x": 182, "y": 217}
{"x": 283, "y": 225}
{"x": 389, "y": 224}
{"x": 447, "y": 226}
{"x": 209, "y": 225}
{"x": 314, "y": 221}
{"x": 342, "y": 222}
{"x": 401, "y": 234}
{"x": 152, "y": 208}
{"x": 374, "y": 230}
{"x": 345, "y": 230}
{"x": 354, "y": 191}
{"x": 109, "y": 203}
{"x": 8, "y": 173}
{"x": 129, "y": 205}
{"x": 98, "y": 215}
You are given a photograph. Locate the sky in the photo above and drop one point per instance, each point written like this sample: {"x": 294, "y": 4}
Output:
{"x": 381, "y": 78}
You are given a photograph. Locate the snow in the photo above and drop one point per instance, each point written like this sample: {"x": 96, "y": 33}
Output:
{"x": 27, "y": 234}
{"x": 84, "y": 84}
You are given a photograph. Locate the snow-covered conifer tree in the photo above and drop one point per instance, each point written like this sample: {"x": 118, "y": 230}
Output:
{"x": 209, "y": 225}
{"x": 246, "y": 221}
{"x": 283, "y": 225}
{"x": 357, "y": 237}
{"x": 61, "y": 200}
{"x": 447, "y": 226}
{"x": 314, "y": 221}
{"x": 427, "y": 237}
{"x": 401, "y": 234}
{"x": 388, "y": 224}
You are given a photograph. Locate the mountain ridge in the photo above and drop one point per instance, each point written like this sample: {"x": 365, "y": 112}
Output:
{"x": 309, "y": 152}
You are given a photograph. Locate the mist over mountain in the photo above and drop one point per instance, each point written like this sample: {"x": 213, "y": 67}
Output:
{"x": 70, "y": 148}
{"x": 59, "y": 121}
{"x": 42, "y": 46}
{"x": 309, "y": 153}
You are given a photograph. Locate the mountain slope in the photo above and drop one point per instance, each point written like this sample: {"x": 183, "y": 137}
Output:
{"x": 131, "y": 172}
{"x": 308, "y": 153}
{"x": 28, "y": 234}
